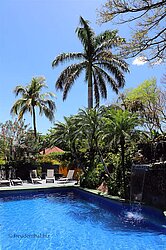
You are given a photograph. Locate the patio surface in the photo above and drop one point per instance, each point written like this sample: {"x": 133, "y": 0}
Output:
{"x": 27, "y": 185}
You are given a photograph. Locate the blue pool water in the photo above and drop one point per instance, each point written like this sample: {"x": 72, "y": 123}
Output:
{"x": 71, "y": 219}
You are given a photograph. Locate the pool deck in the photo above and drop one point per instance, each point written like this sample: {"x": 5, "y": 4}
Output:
{"x": 41, "y": 185}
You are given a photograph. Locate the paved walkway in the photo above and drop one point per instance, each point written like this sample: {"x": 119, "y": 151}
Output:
{"x": 42, "y": 184}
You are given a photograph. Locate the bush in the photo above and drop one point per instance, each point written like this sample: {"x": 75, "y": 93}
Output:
{"x": 92, "y": 178}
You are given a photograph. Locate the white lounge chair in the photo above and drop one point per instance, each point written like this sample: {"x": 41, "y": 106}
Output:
{"x": 16, "y": 181}
{"x": 13, "y": 179}
{"x": 34, "y": 177}
{"x": 3, "y": 180}
{"x": 50, "y": 176}
{"x": 69, "y": 177}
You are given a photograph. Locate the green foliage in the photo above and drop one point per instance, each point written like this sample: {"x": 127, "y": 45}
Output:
{"x": 148, "y": 101}
{"x": 100, "y": 64}
{"x": 92, "y": 178}
{"x": 63, "y": 134}
{"x": 119, "y": 129}
{"x": 51, "y": 158}
{"x": 119, "y": 125}
{"x": 146, "y": 92}
{"x": 98, "y": 139}
{"x": 17, "y": 142}
{"x": 2, "y": 161}
{"x": 32, "y": 98}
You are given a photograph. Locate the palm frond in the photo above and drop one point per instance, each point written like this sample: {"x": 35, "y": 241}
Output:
{"x": 115, "y": 71}
{"x": 86, "y": 36}
{"x": 48, "y": 113}
{"x": 19, "y": 90}
{"x": 66, "y": 57}
{"x": 22, "y": 112}
{"x": 108, "y": 40}
{"x": 109, "y": 35}
{"x": 70, "y": 81}
{"x": 96, "y": 92}
{"x": 107, "y": 57}
{"x": 100, "y": 81}
{"x": 47, "y": 95}
{"x": 120, "y": 63}
{"x": 108, "y": 79}
{"x": 17, "y": 106}
{"x": 68, "y": 74}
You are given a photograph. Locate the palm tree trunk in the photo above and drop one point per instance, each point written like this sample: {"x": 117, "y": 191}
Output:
{"x": 102, "y": 160}
{"x": 90, "y": 88}
{"x": 34, "y": 121}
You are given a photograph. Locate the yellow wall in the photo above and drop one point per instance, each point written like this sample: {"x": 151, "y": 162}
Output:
{"x": 64, "y": 171}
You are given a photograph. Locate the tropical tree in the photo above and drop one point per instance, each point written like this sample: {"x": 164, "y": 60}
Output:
{"x": 65, "y": 135}
{"x": 148, "y": 101}
{"x": 31, "y": 97}
{"x": 89, "y": 129}
{"x": 101, "y": 66}
{"x": 17, "y": 142}
{"x": 147, "y": 33}
{"x": 119, "y": 128}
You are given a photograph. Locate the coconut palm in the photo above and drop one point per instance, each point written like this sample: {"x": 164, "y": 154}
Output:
{"x": 31, "y": 97}
{"x": 101, "y": 66}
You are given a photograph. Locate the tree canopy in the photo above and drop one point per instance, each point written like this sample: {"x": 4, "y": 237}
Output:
{"x": 17, "y": 142}
{"x": 148, "y": 38}
{"x": 31, "y": 97}
{"x": 148, "y": 101}
{"x": 97, "y": 60}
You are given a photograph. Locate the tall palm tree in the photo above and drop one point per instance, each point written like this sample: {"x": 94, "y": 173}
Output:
{"x": 101, "y": 66}
{"x": 32, "y": 98}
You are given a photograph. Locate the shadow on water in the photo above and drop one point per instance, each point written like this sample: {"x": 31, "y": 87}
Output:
{"x": 125, "y": 221}
{"x": 126, "y": 218}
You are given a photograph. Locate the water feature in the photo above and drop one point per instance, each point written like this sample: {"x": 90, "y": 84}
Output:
{"x": 138, "y": 175}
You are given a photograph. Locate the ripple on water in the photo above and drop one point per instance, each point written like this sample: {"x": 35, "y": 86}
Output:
{"x": 72, "y": 223}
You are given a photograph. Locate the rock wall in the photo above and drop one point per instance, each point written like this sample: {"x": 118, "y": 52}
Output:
{"x": 148, "y": 185}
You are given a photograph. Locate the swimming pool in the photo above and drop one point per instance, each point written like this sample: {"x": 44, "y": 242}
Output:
{"x": 69, "y": 219}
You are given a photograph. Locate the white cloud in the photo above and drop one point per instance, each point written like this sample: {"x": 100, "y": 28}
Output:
{"x": 141, "y": 60}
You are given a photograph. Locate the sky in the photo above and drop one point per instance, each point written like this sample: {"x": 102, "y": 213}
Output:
{"x": 33, "y": 33}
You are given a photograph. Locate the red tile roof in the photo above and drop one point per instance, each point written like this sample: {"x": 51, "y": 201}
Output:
{"x": 51, "y": 150}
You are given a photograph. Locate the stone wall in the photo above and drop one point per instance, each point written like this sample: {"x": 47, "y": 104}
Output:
{"x": 148, "y": 185}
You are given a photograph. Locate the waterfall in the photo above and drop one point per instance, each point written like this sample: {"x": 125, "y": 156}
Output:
{"x": 137, "y": 183}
